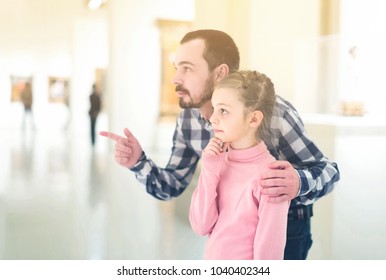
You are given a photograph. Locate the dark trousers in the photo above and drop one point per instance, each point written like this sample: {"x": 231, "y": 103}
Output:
{"x": 299, "y": 239}
{"x": 93, "y": 124}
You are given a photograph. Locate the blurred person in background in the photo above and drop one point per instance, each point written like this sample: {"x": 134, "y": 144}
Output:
{"x": 95, "y": 107}
{"x": 27, "y": 100}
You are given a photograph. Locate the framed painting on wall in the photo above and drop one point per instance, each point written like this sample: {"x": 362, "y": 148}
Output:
{"x": 19, "y": 85}
{"x": 58, "y": 90}
{"x": 100, "y": 80}
{"x": 171, "y": 32}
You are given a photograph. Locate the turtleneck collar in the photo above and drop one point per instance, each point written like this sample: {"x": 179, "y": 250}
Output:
{"x": 247, "y": 155}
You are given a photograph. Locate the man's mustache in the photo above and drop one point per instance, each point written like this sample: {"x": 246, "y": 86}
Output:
{"x": 182, "y": 89}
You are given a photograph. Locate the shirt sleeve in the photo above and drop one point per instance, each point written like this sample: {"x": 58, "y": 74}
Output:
{"x": 171, "y": 181}
{"x": 271, "y": 232}
{"x": 316, "y": 172}
{"x": 203, "y": 208}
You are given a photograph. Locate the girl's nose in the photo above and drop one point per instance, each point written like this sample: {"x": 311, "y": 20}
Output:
{"x": 213, "y": 118}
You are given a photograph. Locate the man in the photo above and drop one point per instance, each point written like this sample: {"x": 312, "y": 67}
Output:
{"x": 301, "y": 173}
{"x": 27, "y": 100}
{"x": 95, "y": 107}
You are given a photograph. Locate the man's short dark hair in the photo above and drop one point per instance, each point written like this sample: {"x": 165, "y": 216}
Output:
{"x": 219, "y": 48}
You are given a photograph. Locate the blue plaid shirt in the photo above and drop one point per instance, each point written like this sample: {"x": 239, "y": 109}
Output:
{"x": 288, "y": 141}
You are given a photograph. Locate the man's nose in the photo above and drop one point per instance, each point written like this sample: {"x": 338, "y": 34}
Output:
{"x": 176, "y": 79}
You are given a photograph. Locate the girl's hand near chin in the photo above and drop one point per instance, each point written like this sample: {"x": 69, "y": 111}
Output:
{"x": 215, "y": 146}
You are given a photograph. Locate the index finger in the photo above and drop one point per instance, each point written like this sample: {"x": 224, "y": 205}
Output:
{"x": 217, "y": 140}
{"x": 110, "y": 135}
{"x": 273, "y": 174}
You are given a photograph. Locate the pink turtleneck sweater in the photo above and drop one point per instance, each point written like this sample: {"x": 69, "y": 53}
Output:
{"x": 228, "y": 206}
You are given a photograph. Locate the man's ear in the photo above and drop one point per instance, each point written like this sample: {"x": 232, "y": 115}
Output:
{"x": 220, "y": 72}
{"x": 256, "y": 118}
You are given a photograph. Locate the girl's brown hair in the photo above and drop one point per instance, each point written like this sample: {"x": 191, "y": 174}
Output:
{"x": 257, "y": 93}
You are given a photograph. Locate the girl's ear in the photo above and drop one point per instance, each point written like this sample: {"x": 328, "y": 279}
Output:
{"x": 256, "y": 118}
{"x": 220, "y": 72}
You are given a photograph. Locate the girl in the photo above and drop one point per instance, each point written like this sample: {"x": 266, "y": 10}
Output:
{"x": 227, "y": 205}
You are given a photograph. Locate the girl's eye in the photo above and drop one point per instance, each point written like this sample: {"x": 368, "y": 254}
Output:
{"x": 223, "y": 111}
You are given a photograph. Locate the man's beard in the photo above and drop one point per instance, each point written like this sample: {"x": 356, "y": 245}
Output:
{"x": 204, "y": 97}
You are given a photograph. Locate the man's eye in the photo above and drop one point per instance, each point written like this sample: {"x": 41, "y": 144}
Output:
{"x": 186, "y": 69}
{"x": 223, "y": 111}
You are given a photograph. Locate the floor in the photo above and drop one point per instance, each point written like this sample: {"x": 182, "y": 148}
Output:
{"x": 60, "y": 198}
